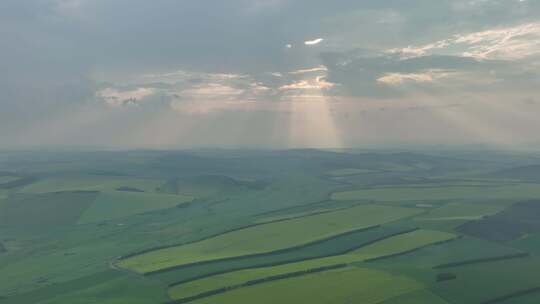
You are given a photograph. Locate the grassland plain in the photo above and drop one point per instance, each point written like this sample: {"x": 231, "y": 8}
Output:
{"x": 118, "y": 204}
{"x": 365, "y": 286}
{"x": 268, "y": 237}
{"x": 520, "y": 191}
{"x": 387, "y": 247}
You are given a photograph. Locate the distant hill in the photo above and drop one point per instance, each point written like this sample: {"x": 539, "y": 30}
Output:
{"x": 530, "y": 173}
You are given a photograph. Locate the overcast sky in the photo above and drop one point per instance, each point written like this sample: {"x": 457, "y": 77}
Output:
{"x": 269, "y": 73}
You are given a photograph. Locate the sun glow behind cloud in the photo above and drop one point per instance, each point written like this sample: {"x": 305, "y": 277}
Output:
{"x": 498, "y": 43}
{"x": 311, "y": 122}
{"x": 270, "y": 73}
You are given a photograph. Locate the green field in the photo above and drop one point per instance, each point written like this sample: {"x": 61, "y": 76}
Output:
{"x": 268, "y": 237}
{"x": 521, "y": 191}
{"x": 339, "y": 286}
{"x": 116, "y": 204}
{"x": 240, "y": 277}
{"x": 336, "y": 246}
{"x": 390, "y": 246}
{"x": 402, "y": 243}
{"x": 462, "y": 211}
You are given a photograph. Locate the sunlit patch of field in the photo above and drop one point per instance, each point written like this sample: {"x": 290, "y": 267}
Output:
{"x": 387, "y": 247}
{"x": 341, "y": 286}
{"x": 268, "y": 237}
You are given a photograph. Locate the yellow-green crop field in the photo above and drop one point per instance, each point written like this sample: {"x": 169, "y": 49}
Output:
{"x": 342, "y": 286}
{"x": 268, "y": 237}
{"x": 386, "y": 247}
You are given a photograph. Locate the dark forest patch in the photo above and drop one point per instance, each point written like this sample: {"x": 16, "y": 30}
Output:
{"x": 526, "y": 173}
{"x": 48, "y": 209}
{"x": 446, "y": 276}
{"x": 514, "y": 222}
{"x": 128, "y": 189}
{"x": 23, "y": 181}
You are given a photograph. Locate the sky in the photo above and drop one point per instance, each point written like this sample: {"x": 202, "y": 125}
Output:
{"x": 269, "y": 73}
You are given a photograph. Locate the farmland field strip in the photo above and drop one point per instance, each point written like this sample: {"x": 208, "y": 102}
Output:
{"x": 481, "y": 261}
{"x": 374, "y": 214}
{"x": 307, "y": 213}
{"x": 367, "y": 243}
{"x": 258, "y": 281}
{"x": 334, "y": 286}
{"x": 385, "y": 257}
{"x": 332, "y": 247}
{"x": 329, "y": 263}
{"x": 144, "y": 251}
{"x": 265, "y": 253}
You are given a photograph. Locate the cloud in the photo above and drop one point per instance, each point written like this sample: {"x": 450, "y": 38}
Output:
{"x": 509, "y": 43}
{"x": 313, "y": 42}
{"x": 211, "y": 91}
{"x": 166, "y": 62}
{"x": 116, "y": 98}
{"x": 390, "y": 75}
{"x": 317, "y": 83}
{"x": 399, "y": 78}
{"x": 184, "y": 76}
{"x": 304, "y": 71}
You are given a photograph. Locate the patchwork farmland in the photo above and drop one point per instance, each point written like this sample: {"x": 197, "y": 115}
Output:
{"x": 298, "y": 227}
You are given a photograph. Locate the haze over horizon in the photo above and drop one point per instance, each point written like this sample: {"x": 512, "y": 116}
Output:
{"x": 269, "y": 73}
